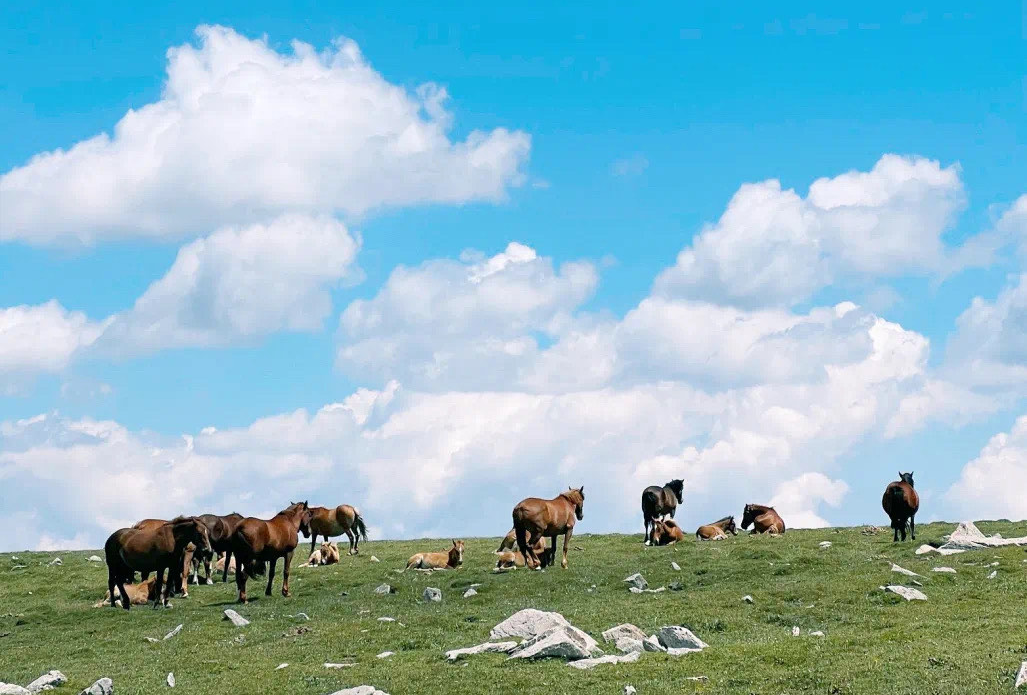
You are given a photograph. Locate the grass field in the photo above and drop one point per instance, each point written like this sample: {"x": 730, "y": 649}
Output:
{"x": 970, "y": 637}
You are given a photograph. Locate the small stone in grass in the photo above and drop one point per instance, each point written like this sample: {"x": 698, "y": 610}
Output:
{"x": 171, "y": 680}
{"x": 677, "y": 568}
{"x": 747, "y": 599}
{"x": 174, "y": 632}
{"x": 374, "y": 559}
{"x": 795, "y": 631}
{"x": 279, "y": 667}
{"x": 385, "y": 655}
{"x": 432, "y": 594}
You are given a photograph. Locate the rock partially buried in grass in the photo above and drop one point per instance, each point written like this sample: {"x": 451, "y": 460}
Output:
{"x": 361, "y": 690}
{"x": 279, "y": 667}
{"x": 629, "y": 690}
{"x": 1021, "y": 677}
{"x": 825, "y": 544}
{"x": 48, "y": 681}
{"x": 748, "y": 599}
{"x": 104, "y": 686}
{"x": 329, "y": 664}
{"x": 817, "y": 633}
{"x": 236, "y": 619}
{"x": 383, "y": 589}
{"x": 637, "y": 581}
{"x": 470, "y": 592}
{"x": 947, "y": 570}
{"x": 565, "y": 642}
{"x": 994, "y": 573}
{"x": 95, "y": 558}
{"x": 174, "y": 632}
{"x": 629, "y": 645}
{"x": 12, "y": 689}
{"x": 905, "y": 592}
{"x": 432, "y": 595}
{"x": 374, "y": 559}
{"x": 675, "y": 566}
{"x": 585, "y": 664}
{"x": 652, "y": 644}
{"x": 623, "y": 630}
{"x": 502, "y": 647}
{"x": 677, "y": 637}
{"x": 796, "y": 631}
{"x": 171, "y": 680}
{"x": 528, "y": 623}
{"x": 385, "y": 655}
{"x": 903, "y": 570}
{"x": 56, "y": 562}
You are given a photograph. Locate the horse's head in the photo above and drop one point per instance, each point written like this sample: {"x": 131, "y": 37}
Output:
{"x": 456, "y": 554}
{"x": 677, "y": 486}
{"x": 579, "y": 502}
{"x": 749, "y": 515}
{"x": 906, "y": 478}
{"x": 730, "y": 527}
{"x": 305, "y": 515}
{"x": 190, "y": 529}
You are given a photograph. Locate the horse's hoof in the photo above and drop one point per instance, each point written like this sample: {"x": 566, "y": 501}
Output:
{"x": 285, "y": 593}
{"x": 210, "y": 582}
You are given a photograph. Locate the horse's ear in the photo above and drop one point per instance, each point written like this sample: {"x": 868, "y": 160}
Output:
{"x": 454, "y": 541}
{"x": 581, "y": 489}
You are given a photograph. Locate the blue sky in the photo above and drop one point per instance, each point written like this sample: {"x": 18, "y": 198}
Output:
{"x": 628, "y": 135}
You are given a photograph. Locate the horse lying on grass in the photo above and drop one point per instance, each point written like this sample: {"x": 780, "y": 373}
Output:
{"x": 139, "y": 594}
{"x": 327, "y": 554}
{"x": 666, "y": 532}
{"x": 451, "y": 559}
{"x": 717, "y": 530}
{"x": 763, "y": 520}
{"x": 512, "y": 559}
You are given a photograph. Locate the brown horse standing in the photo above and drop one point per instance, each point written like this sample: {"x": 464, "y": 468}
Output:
{"x": 535, "y": 518}
{"x": 146, "y": 550}
{"x": 717, "y": 530}
{"x": 763, "y": 519}
{"x": 900, "y": 503}
{"x": 256, "y": 541}
{"x": 178, "y": 582}
{"x": 219, "y": 529}
{"x": 658, "y": 502}
{"x": 335, "y": 522}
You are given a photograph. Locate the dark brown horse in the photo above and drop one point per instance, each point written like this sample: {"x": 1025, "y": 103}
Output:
{"x": 535, "y": 518}
{"x": 658, "y": 502}
{"x": 901, "y": 503}
{"x": 336, "y": 521}
{"x": 717, "y": 530}
{"x": 256, "y": 541}
{"x": 178, "y": 581}
{"x": 146, "y": 550}
{"x": 220, "y": 530}
{"x": 763, "y": 519}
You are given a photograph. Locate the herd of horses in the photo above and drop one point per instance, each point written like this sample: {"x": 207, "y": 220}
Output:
{"x": 180, "y": 545}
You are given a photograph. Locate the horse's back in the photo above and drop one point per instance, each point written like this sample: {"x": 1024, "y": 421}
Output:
{"x": 900, "y": 499}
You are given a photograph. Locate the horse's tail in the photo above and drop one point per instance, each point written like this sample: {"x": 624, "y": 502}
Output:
{"x": 522, "y": 537}
{"x": 359, "y": 526}
{"x": 649, "y": 505}
{"x": 898, "y": 505}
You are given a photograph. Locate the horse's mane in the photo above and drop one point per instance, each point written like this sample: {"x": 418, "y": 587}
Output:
{"x": 762, "y": 507}
{"x": 573, "y": 496}
{"x": 180, "y": 518}
{"x": 718, "y": 522}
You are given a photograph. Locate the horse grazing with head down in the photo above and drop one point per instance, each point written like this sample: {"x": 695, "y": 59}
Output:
{"x": 152, "y": 549}
{"x": 901, "y": 503}
{"x": 256, "y": 541}
{"x": 658, "y": 502}
{"x": 763, "y": 519}
{"x": 220, "y": 529}
{"x": 447, "y": 560}
{"x": 535, "y": 518}
{"x": 336, "y": 521}
{"x": 718, "y": 530}
{"x": 178, "y": 582}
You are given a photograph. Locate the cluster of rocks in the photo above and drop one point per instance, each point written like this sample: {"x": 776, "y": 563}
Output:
{"x": 549, "y": 635}
{"x": 55, "y": 679}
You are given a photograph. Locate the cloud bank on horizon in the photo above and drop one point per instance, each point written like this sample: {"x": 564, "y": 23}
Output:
{"x": 491, "y": 376}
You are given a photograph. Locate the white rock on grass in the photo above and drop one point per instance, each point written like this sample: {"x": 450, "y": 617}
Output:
{"x": 825, "y": 544}
{"x": 565, "y": 642}
{"x": 994, "y": 573}
{"x": 636, "y": 590}
{"x": 748, "y": 599}
{"x": 174, "y": 632}
{"x": 677, "y": 637}
{"x": 817, "y": 633}
{"x": 279, "y": 667}
{"x": 386, "y": 619}
{"x": 652, "y": 644}
{"x": 630, "y": 690}
{"x": 361, "y": 690}
{"x": 385, "y": 655}
{"x": 374, "y": 559}
{"x": 432, "y": 595}
{"x": 501, "y": 647}
{"x": 902, "y": 570}
{"x": 947, "y": 570}
{"x": 171, "y": 680}
{"x": 528, "y": 623}
{"x": 94, "y": 558}
{"x": 236, "y": 619}
{"x": 383, "y": 589}
{"x": 628, "y": 645}
{"x": 470, "y": 592}
{"x": 12, "y": 689}
{"x": 905, "y": 592}
{"x": 675, "y": 566}
{"x": 299, "y": 616}
{"x": 637, "y": 581}
{"x": 796, "y": 631}
{"x": 1021, "y": 677}
{"x": 56, "y": 562}
{"x": 623, "y": 630}
{"x": 104, "y": 686}
{"x": 48, "y": 681}
{"x": 329, "y": 664}
{"x": 585, "y": 664}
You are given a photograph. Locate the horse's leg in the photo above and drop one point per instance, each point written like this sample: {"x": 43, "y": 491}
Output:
{"x": 206, "y": 567}
{"x": 228, "y": 559}
{"x": 158, "y": 586}
{"x": 111, "y": 582}
{"x": 287, "y": 564}
{"x": 125, "y": 603}
{"x": 566, "y": 544}
{"x": 313, "y": 541}
{"x": 271, "y": 576}
{"x": 240, "y": 576}
{"x": 648, "y": 534}
{"x": 352, "y": 541}
{"x": 551, "y": 560}
{"x": 912, "y": 526}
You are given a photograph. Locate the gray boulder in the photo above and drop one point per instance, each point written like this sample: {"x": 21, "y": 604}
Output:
{"x": 623, "y": 630}
{"x": 12, "y": 689}
{"x": 905, "y": 592}
{"x": 236, "y": 619}
{"x": 586, "y": 664}
{"x": 564, "y": 642}
{"x": 48, "y": 681}
{"x": 1021, "y": 677}
{"x": 677, "y": 637}
{"x": 432, "y": 595}
{"x": 652, "y": 644}
{"x": 381, "y": 590}
{"x": 637, "y": 581}
{"x": 528, "y": 623}
{"x": 628, "y": 645}
{"x": 104, "y": 686}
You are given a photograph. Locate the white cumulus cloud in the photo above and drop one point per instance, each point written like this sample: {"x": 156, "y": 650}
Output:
{"x": 992, "y": 485}
{"x": 243, "y": 133}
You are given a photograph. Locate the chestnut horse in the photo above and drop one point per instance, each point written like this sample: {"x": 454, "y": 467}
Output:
{"x": 535, "y": 518}
{"x": 335, "y": 522}
{"x": 900, "y": 503}
{"x": 666, "y": 532}
{"x": 763, "y": 519}
{"x": 509, "y": 541}
{"x": 178, "y": 583}
{"x": 512, "y": 559}
{"x": 148, "y": 550}
{"x": 447, "y": 560}
{"x": 658, "y": 502}
{"x": 256, "y": 541}
{"x": 717, "y": 530}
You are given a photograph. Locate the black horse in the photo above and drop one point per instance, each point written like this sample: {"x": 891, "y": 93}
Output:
{"x": 660, "y": 501}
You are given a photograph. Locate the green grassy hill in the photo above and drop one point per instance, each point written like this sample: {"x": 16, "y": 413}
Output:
{"x": 970, "y": 637}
